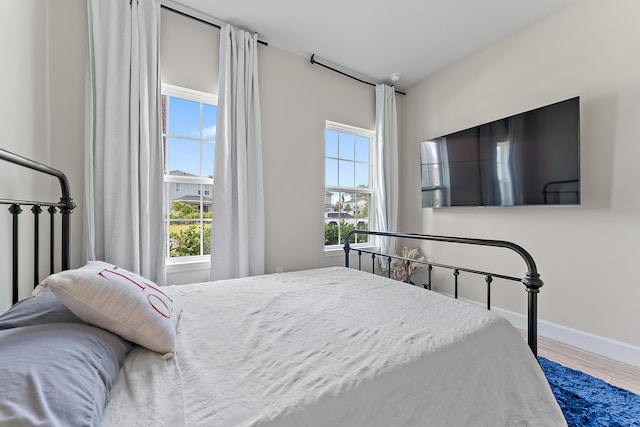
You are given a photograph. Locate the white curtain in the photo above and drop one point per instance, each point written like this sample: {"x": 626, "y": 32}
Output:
{"x": 385, "y": 178}
{"x": 237, "y": 232}
{"x": 124, "y": 223}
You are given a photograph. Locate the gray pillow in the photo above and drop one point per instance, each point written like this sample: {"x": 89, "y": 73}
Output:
{"x": 57, "y": 374}
{"x": 46, "y": 308}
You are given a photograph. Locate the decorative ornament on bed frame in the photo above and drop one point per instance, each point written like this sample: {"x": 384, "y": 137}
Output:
{"x": 402, "y": 267}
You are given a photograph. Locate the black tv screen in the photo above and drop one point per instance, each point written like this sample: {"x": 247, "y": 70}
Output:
{"x": 532, "y": 158}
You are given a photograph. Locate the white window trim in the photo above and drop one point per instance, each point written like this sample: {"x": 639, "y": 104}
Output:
{"x": 336, "y": 250}
{"x": 188, "y": 179}
{"x": 189, "y": 94}
{"x": 187, "y": 264}
{"x": 350, "y": 189}
{"x": 199, "y": 262}
{"x": 339, "y": 127}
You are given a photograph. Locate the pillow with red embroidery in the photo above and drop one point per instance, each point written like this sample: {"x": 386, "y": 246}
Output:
{"x": 119, "y": 301}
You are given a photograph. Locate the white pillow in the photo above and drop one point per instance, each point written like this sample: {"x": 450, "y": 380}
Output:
{"x": 119, "y": 301}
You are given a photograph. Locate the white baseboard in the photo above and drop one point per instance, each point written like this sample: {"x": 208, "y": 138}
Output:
{"x": 616, "y": 350}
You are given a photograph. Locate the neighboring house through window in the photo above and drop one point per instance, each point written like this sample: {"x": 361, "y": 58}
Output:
{"x": 347, "y": 182}
{"x": 188, "y": 137}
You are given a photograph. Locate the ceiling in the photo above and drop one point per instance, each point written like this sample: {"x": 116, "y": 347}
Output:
{"x": 375, "y": 38}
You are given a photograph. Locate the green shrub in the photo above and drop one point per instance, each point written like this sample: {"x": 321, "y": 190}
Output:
{"x": 331, "y": 233}
{"x": 186, "y": 242}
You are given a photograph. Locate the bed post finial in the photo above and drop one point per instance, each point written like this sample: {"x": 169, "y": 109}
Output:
{"x": 533, "y": 283}
{"x": 66, "y": 208}
{"x": 347, "y": 249}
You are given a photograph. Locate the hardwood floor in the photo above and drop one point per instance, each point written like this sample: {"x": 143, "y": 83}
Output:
{"x": 611, "y": 371}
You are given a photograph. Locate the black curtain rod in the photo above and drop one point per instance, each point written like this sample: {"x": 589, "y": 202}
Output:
{"x": 313, "y": 61}
{"x": 202, "y": 21}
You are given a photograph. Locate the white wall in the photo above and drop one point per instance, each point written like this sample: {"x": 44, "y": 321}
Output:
{"x": 68, "y": 51}
{"x": 189, "y": 53}
{"x": 585, "y": 254}
{"x": 23, "y": 76}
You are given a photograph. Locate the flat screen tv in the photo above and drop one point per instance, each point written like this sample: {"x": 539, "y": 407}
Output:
{"x": 532, "y": 158}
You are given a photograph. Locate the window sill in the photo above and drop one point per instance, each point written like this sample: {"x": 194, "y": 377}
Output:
{"x": 187, "y": 264}
{"x": 339, "y": 251}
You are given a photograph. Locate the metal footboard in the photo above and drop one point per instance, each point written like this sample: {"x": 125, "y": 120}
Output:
{"x": 531, "y": 279}
{"x": 65, "y": 206}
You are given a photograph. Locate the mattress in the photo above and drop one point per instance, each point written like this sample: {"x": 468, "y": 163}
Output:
{"x": 332, "y": 347}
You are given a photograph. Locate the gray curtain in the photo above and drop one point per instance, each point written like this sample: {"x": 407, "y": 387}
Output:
{"x": 385, "y": 196}
{"x": 237, "y": 231}
{"x": 124, "y": 224}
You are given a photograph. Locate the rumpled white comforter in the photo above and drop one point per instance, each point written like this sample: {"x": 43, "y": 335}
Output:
{"x": 333, "y": 347}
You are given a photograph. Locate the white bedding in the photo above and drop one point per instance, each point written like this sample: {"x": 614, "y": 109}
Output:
{"x": 332, "y": 347}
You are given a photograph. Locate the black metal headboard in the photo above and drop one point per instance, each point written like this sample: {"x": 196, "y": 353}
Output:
{"x": 65, "y": 206}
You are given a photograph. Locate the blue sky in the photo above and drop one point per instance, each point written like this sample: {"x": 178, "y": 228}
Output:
{"x": 344, "y": 154}
{"x": 184, "y": 124}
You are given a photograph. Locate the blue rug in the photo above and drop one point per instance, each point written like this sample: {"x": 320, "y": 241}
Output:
{"x": 589, "y": 401}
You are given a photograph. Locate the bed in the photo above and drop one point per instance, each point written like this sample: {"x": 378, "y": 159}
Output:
{"x": 321, "y": 347}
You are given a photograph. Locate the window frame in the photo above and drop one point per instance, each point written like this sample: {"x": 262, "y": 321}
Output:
{"x": 194, "y": 262}
{"x": 356, "y": 131}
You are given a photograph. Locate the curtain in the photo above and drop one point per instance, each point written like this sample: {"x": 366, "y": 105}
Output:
{"x": 385, "y": 178}
{"x": 237, "y": 231}
{"x": 124, "y": 222}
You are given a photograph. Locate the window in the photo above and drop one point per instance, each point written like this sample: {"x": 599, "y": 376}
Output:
{"x": 347, "y": 182}
{"x": 188, "y": 137}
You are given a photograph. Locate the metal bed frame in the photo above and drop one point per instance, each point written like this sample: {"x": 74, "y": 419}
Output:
{"x": 531, "y": 279}
{"x": 65, "y": 206}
